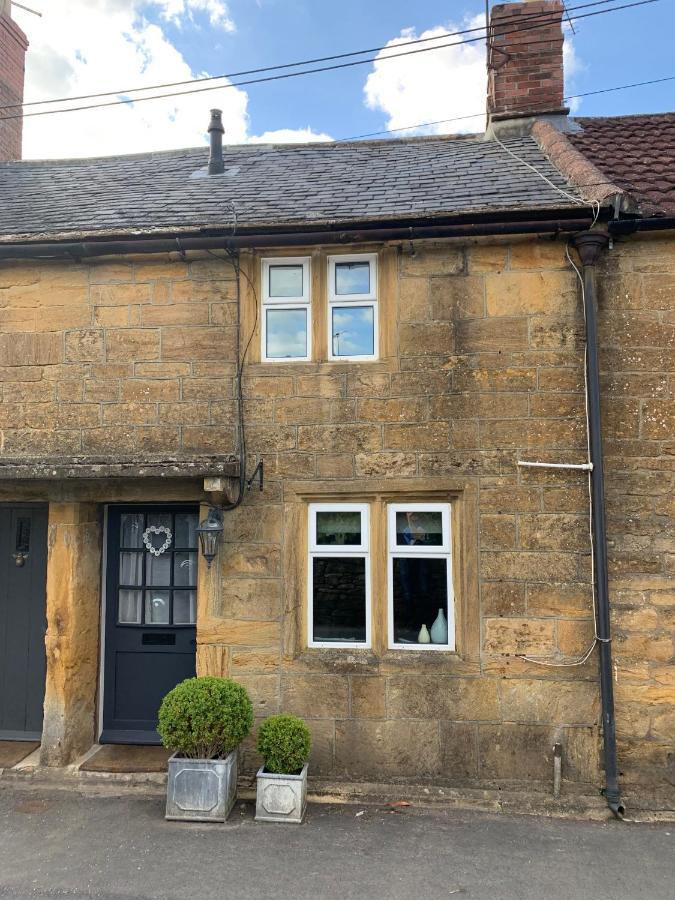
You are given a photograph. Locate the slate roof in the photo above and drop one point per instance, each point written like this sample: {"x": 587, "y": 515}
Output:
{"x": 637, "y": 153}
{"x": 276, "y": 185}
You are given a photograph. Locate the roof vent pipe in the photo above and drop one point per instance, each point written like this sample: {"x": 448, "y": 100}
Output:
{"x": 216, "y": 132}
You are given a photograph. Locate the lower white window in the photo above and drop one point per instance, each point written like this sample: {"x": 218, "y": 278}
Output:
{"x": 421, "y": 607}
{"x": 339, "y": 575}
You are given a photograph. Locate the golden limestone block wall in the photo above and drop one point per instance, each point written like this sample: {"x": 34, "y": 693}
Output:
{"x": 122, "y": 357}
{"x": 637, "y": 328}
{"x": 482, "y": 365}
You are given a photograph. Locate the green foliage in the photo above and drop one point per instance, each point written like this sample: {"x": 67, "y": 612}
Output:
{"x": 284, "y": 742}
{"x": 205, "y": 718}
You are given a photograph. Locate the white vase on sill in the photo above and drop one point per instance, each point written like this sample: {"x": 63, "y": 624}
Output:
{"x": 423, "y": 637}
{"x": 439, "y": 630}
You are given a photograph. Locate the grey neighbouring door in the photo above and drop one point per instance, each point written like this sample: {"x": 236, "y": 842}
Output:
{"x": 151, "y": 603}
{"x": 23, "y": 582}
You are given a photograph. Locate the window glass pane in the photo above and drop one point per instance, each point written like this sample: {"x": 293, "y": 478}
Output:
{"x": 286, "y": 333}
{"x": 131, "y": 530}
{"x": 184, "y": 569}
{"x": 339, "y": 598}
{"x": 420, "y": 593}
{"x": 414, "y": 528}
{"x": 157, "y": 607}
{"x": 129, "y": 609}
{"x": 285, "y": 281}
{"x": 186, "y": 533}
{"x": 353, "y": 330}
{"x": 131, "y": 568}
{"x": 184, "y": 608}
{"x": 338, "y": 527}
{"x": 158, "y": 569}
{"x": 352, "y": 278}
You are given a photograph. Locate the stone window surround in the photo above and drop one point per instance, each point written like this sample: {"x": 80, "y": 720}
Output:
{"x": 252, "y": 307}
{"x": 462, "y": 495}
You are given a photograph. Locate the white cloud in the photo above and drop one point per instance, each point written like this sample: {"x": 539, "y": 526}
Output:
{"x": 443, "y": 84}
{"x": 177, "y": 10}
{"x": 290, "y": 136}
{"x": 426, "y": 87}
{"x": 89, "y": 46}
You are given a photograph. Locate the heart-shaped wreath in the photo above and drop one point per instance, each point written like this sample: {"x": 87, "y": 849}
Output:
{"x": 157, "y": 529}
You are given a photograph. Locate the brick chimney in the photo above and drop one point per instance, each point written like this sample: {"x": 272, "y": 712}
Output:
{"x": 525, "y": 66}
{"x": 13, "y": 46}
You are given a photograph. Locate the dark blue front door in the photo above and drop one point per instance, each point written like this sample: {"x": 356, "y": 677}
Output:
{"x": 151, "y": 603}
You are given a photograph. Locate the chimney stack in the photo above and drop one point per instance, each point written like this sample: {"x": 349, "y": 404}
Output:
{"x": 13, "y": 46}
{"x": 216, "y": 132}
{"x": 525, "y": 66}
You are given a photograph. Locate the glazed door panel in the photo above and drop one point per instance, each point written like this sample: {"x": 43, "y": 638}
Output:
{"x": 151, "y": 602}
{"x": 23, "y": 580}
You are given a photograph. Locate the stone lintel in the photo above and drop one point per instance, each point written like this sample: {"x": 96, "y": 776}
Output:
{"x": 60, "y": 469}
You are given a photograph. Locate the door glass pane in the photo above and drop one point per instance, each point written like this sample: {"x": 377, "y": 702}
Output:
{"x": 131, "y": 529}
{"x": 157, "y": 607}
{"x": 184, "y": 569}
{"x": 339, "y": 599}
{"x": 352, "y": 278}
{"x": 186, "y": 530}
{"x": 184, "y": 607}
{"x": 131, "y": 568}
{"x": 420, "y": 593}
{"x": 286, "y": 333}
{"x": 129, "y": 609}
{"x": 158, "y": 569}
{"x": 414, "y": 528}
{"x": 285, "y": 281}
{"x": 338, "y": 527}
{"x": 353, "y": 330}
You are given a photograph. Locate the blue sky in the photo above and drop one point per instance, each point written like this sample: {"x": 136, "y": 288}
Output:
{"x": 95, "y": 45}
{"x": 617, "y": 48}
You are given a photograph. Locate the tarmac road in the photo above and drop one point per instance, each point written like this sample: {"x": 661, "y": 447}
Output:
{"x": 59, "y": 844}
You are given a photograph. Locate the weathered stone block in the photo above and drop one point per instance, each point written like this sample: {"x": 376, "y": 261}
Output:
{"x": 367, "y": 696}
{"x": 315, "y": 696}
{"x": 533, "y": 637}
{"x": 515, "y": 752}
{"x": 376, "y": 749}
{"x": 132, "y": 344}
{"x": 441, "y": 697}
{"x": 339, "y": 438}
{"x": 557, "y": 702}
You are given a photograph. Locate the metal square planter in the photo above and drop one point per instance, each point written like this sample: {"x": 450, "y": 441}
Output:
{"x": 281, "y": 798}
{"x": 201, "y": 790}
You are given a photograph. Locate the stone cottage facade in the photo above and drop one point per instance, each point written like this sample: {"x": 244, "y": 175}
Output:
{"x": 392, "y": 328}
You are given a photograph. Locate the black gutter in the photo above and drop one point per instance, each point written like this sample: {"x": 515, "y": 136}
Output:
{"x": 182, "y": 243}
{"x": 590, "y": 245}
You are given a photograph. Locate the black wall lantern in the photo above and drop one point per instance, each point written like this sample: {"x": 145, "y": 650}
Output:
{"x": 210, "y": 532}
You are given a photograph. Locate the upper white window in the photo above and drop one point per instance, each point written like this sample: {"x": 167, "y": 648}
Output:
{"x": 286, "y": 320}
{"x": 352, "y": 306}
{"x": 421, "y": 607}
{"x": 339, "y": 575}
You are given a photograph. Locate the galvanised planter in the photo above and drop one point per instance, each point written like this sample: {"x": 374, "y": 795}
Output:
{"x": 201, "y": 790}
{"x": 281, "y": 798}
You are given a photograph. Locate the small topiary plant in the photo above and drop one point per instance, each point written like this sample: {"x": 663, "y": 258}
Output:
{"x": 205, "y": 718}
{"x": 284, "y": 742}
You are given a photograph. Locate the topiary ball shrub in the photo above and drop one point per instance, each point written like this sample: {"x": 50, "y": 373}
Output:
{"x": 205, "y": 718}
{"x": 284, "y": 742}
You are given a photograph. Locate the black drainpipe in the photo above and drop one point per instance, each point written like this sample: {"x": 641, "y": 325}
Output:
{"x": 589, "y": 245}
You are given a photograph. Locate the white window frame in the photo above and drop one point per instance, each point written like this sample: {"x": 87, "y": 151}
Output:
{"x": 370, "y": 299}
{"x": 302, "y": 302}
{"x": 441, "y": 551}
{"x": 361, "y": 551}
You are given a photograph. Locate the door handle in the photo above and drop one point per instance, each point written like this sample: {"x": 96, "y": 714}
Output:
{"x": 20, "y": 559}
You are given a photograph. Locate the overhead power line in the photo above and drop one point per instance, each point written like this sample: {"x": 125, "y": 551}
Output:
{"x": 530, "y": 109}
{"x": 304, "y": 62}
{"x": 286, "y": 75}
